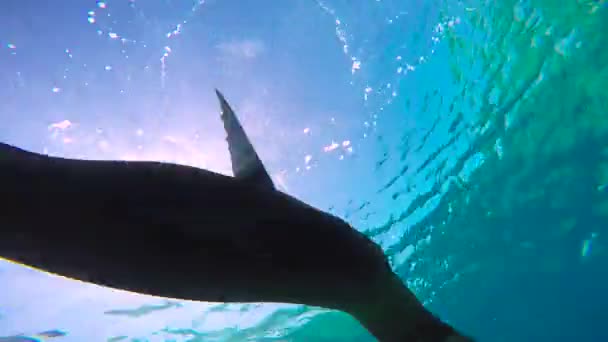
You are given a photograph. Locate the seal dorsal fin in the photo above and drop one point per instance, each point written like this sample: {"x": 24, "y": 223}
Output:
{"x": 246, "y": 164}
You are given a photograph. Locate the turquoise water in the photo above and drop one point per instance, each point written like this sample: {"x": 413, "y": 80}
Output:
{"x": 468, "y": 138}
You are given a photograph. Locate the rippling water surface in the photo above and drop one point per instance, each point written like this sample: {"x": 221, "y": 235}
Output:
{"x": 468, "y": 138}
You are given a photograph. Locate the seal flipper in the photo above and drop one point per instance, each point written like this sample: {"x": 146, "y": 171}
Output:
{"x": 246, "y": 164}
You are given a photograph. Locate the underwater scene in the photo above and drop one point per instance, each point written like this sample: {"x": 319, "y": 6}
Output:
{"x": 468, "y": 138}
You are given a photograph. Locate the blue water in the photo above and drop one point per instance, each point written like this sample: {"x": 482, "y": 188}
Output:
{"x": 468, "y": 138}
